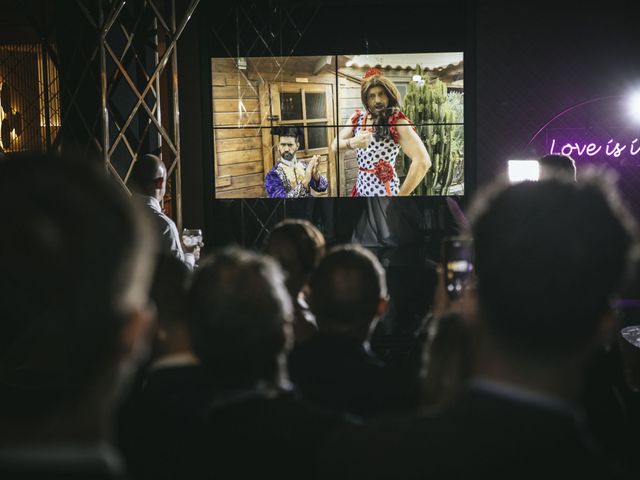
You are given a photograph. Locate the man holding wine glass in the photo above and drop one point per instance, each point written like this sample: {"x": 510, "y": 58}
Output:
{"x": 149, "y": 184}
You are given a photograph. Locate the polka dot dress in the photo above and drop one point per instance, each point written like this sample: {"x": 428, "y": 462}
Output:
{"x": 368, "y": 184}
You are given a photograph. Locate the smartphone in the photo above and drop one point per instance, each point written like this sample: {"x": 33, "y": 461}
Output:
{"x": 457, "y": 257}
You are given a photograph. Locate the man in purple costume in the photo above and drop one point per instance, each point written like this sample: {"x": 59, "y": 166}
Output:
{"x": 291, "y": 178}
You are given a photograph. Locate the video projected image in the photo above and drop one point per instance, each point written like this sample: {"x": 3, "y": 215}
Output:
{"x": 338, "y": 126}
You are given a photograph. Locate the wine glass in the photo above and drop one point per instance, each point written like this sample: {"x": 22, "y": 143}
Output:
{"x": 192, "y": 237}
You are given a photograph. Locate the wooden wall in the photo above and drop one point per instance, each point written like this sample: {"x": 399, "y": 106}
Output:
{"x": 242, "y": 140}
{"x": 349, "y": 101}
{"x": 238, "y": 148}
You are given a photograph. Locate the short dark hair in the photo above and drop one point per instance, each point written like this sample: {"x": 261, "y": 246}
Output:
{"x": 72, "y": 267}
{"x": 548, "y": 256}
{"x": 294, "y": 131}
{"x": 346, "y": 288}
{"x": 559, "y": 164}
{"x": 144, "y": 173}
{"x": 305, "y": 241}
{"x": 239, "y": 308}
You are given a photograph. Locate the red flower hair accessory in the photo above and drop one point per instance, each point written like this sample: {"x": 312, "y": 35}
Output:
{"x": 372, "y": 72}
{"x": 384, "y": 171}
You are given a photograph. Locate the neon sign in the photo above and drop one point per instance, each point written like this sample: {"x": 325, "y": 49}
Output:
{"x": 587, "y": 144}
{"x": 580, "y": 149}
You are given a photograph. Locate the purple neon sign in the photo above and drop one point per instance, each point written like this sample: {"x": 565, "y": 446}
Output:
{"x": 596, "y": 132}
{"x": 580, "y": 149}
{"x": 620, "y": 146}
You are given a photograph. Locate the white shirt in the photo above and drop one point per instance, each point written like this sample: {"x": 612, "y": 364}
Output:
{"x": 168, "y": 236}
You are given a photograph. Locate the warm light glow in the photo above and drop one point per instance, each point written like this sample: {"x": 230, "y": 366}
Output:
{"x": 522, "y": 170}
{"x": 1, "y": 119}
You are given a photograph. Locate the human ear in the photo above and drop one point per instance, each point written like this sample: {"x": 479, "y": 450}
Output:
{"x": 135, "y": 329}
{"x": 383, "y": 304}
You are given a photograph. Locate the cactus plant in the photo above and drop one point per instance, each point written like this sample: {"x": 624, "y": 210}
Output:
{"x": 435, "y": 112}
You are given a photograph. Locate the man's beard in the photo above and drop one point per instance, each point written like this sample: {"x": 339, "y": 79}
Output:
{"x": 287, "y": 156}
{"x": 381, "y": 122}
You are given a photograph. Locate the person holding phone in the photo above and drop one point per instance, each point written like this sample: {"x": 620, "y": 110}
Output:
{"x": 549, "y": 257}
{"x": 448, "y": 358}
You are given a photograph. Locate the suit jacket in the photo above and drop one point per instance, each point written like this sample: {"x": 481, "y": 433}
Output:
{"x": 258, "y": 434}
{"x": 483, "y": 435}
{"x": 338, "y": 373}
{"x": 159, "y": 424}
{"x": 61, "y": 462}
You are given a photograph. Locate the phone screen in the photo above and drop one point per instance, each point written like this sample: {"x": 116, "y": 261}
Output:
{"x": 458, "y": 263}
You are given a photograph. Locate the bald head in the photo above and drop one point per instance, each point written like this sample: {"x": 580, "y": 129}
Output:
{"x": 148, "y": 176}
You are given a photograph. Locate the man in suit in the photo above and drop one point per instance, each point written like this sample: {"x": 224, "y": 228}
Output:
{"x": 548, "y": 257}
{"x": 75, "y": 261}
{"x": 168, "y": 404}
{"x": 336, "y": 368}
{"x": 255, "y": 427}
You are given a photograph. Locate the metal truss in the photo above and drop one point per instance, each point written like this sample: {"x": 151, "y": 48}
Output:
{"x": 263, "y": 215}
{"x": 258, "y": 28}
{"x": 61, "y": 115}
{"x": 136, "y": 55}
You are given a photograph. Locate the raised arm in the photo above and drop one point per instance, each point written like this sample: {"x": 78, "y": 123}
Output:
{"x": 348, "y": 141}
{"x": 413, "y": 147}
{"x": 342, "y": 140}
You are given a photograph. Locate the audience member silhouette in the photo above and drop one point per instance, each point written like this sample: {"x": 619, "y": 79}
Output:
{"x": 149, "y": 184}
{"x": 548, "y": 257}
{"x": 168, "y": 405}
{"x": 255, "y": 426}
{"x": 298, "y": 246}
{"x": 446, "y": 360}
{"x": 336, "y": 368}
{"x": 553, "y": 165}
{"x": 74, "y": 314}
{"x": 611, "y": 408}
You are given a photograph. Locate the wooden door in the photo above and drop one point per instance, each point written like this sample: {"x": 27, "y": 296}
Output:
{"x": 311, "y": 107}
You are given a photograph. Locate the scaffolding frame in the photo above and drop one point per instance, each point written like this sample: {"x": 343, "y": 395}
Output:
{"x": 108, "y": 18}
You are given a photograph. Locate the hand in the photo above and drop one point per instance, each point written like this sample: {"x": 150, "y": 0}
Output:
{"x": 442, "y": 304}
{"x": 193, "y": 250}
{"x": 314, "y": 164}
{"x": 308, "y": 173}
{"x": 361, "y": 140}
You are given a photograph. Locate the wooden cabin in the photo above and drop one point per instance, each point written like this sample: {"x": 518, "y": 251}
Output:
{"x": 252, "y": 95}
